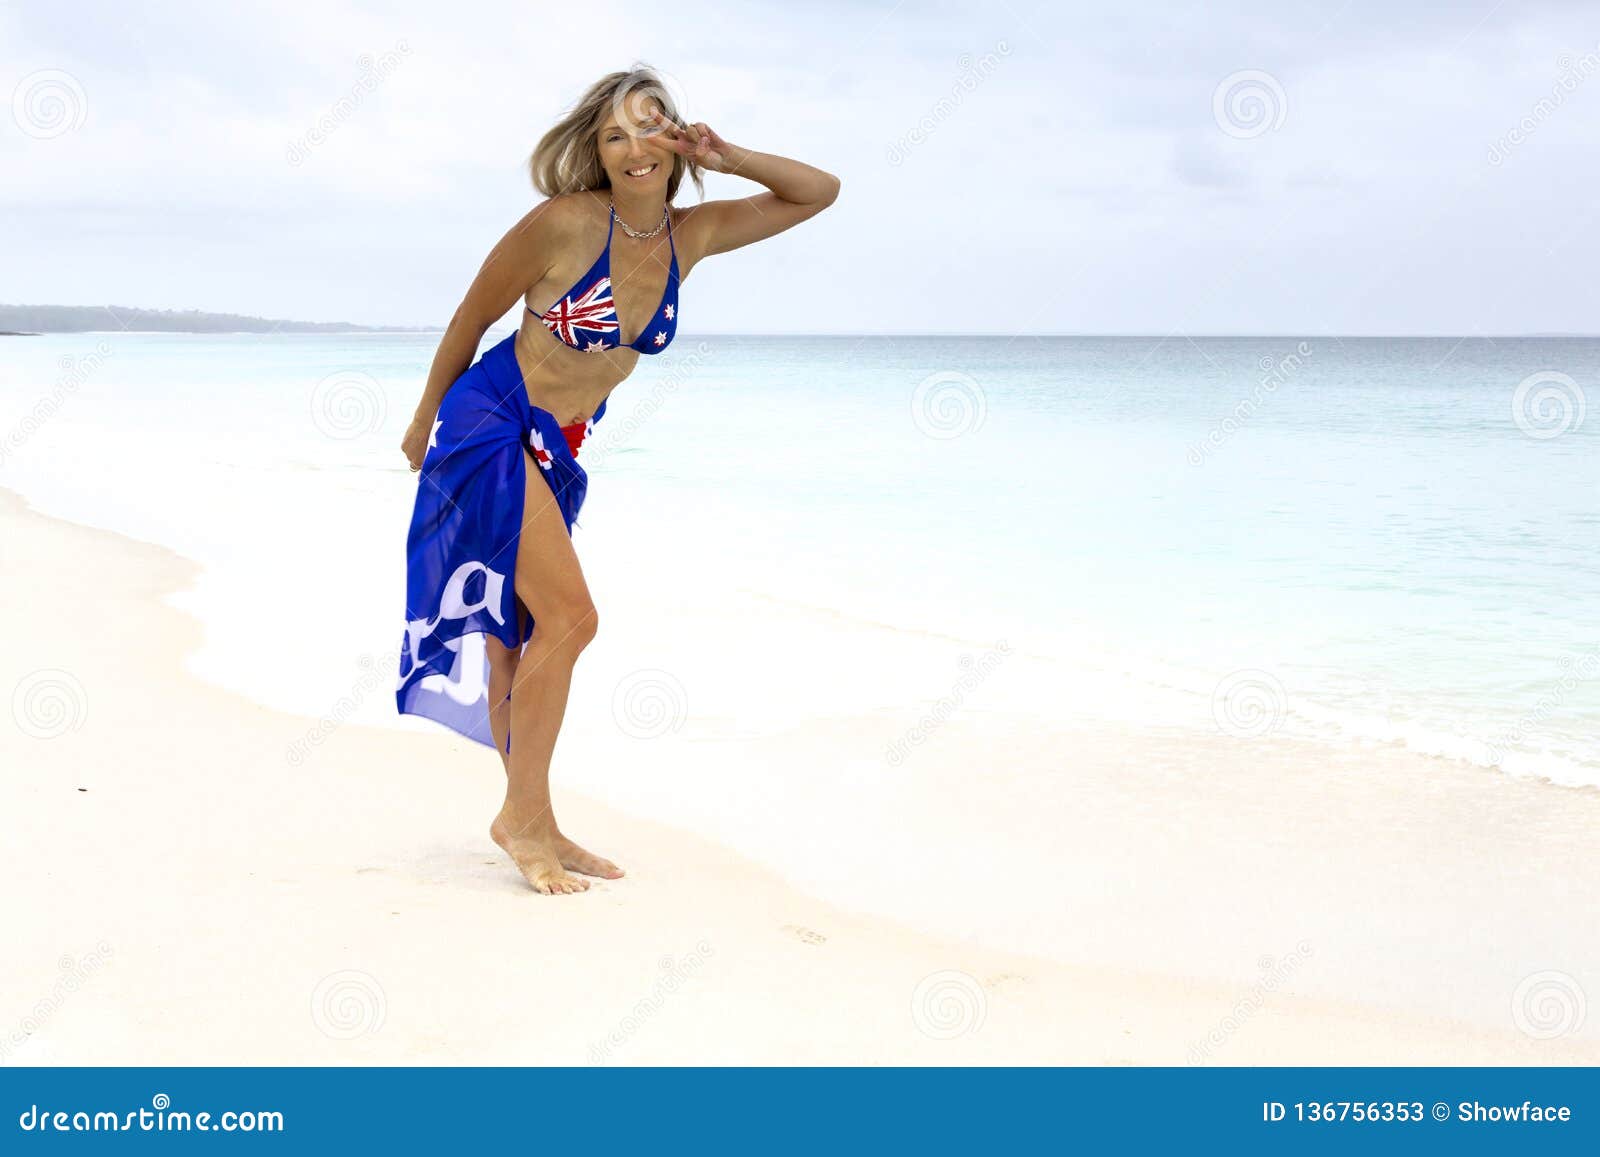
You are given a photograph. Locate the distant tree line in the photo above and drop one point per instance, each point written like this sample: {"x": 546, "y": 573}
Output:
{"x": 81, "y": 318}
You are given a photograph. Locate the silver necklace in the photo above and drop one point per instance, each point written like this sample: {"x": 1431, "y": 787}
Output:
{"x": 630, "y": 232}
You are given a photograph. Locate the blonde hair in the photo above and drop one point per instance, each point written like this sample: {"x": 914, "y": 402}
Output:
{"x": 567, "y": 158}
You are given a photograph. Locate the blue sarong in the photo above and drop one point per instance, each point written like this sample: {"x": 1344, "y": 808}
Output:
{"x": 461, "y": 554}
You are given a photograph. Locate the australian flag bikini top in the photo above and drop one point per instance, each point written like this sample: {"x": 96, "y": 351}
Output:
{"x": 586, "y": 318}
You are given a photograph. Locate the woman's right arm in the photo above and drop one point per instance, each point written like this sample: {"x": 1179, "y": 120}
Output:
{"x": 517, "y": 263}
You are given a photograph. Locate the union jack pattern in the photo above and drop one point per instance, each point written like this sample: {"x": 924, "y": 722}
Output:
{"x": 588, "y": 320}
{"x": 593, "y": 310}
{"x": 536, "y": 444}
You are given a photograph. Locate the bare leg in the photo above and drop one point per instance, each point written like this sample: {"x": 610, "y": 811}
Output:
{"x": 550, "y": 584}
{"x": 502, "y": 676}
{"x": 502, "y": 669}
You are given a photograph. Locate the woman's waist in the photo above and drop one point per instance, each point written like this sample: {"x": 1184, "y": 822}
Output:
{"x": 571, "y": 398}
{"x": 567, "y": 406}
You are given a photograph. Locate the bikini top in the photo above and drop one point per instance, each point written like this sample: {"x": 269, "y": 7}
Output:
{"x": 586, "y": 317}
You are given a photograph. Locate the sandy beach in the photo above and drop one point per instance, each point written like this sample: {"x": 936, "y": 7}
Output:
{"x": 186, "y": 890}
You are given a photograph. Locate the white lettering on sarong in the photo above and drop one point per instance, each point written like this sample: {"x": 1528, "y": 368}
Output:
{"x": 453, "y": 605}
{"x": 466, "y": 682}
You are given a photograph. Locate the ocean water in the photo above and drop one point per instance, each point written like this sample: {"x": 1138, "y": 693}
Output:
{"x": 1360, "y": 540}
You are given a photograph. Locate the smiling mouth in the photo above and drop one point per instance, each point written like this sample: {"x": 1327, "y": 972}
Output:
{"x": 644, "y": 172}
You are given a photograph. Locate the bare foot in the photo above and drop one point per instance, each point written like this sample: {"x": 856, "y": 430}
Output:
{"x": 537, "y": 859}
{"x": 581, "y": 860}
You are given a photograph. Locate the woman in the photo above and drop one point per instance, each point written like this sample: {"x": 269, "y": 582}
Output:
{"x": 497, "y": 607}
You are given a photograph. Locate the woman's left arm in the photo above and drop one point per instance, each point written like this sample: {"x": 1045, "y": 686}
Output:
{"x": 796, "y": 191}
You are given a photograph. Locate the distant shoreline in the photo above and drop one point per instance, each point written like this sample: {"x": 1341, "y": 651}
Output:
{"x": 55, "y": 319}
{"x": 405, "y": 331}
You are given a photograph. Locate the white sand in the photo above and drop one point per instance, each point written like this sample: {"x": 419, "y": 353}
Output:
{"x": 181, "y": 892}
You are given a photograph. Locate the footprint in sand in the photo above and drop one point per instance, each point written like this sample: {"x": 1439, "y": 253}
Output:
{"x": 805, "y": 934}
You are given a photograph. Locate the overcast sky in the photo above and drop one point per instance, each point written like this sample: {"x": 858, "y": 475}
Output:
{"x": 1372, "y": 166}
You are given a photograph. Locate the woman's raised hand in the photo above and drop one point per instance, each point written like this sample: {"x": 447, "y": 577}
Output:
{"x": 698, "y": 141}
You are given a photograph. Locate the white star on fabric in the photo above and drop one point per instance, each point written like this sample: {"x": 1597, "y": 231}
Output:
{"x": 594, "y": 347}
{"x": 668, "y": 313}
{"x": 433, "y": 435}
{"x": 661, "y": 338}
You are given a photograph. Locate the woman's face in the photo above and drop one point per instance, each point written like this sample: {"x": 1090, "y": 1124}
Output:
{"x": 629, "y": 152}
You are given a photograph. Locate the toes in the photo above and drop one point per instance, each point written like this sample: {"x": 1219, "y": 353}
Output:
{"x": 565, "y": 885}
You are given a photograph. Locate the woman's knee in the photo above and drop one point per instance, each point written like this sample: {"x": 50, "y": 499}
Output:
{"x": 568, "y": 627}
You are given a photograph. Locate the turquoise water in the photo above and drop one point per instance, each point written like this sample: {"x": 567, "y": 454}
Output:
{"x": 1357, "y": 538}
